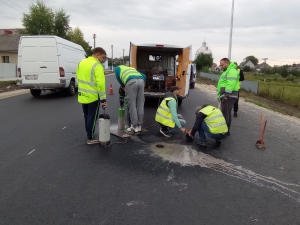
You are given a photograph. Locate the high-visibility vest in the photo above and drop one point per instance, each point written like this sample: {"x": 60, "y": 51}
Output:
{"x": 91, "y": 86}
{"x": 163, "y": 113}
{"x": 126, "y": 72}
{"x": 214, "y": 120}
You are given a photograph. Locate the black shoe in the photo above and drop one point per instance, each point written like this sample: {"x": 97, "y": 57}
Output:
{"x": 166, "y": 133}
{"x": 218, "y": 144}
{"x": 202, "y": 143}
{"x": 228, "y": 133}
{"x": 235, "y": 114}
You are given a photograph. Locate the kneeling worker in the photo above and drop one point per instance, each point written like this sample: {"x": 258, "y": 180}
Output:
{"x": 166, "y": 114}
{"x": 211, "y": 121}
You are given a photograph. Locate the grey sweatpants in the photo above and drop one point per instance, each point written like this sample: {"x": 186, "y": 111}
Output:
{"x": 134, "y": 89}
{"x": 226, "y": 107}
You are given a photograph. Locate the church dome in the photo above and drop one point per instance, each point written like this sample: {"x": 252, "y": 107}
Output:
{"x": 203, "y": 49}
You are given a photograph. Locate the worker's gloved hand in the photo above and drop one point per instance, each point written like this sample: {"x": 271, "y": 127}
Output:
{"x": 103, "y": 104}
{"x": 122, "y": 91}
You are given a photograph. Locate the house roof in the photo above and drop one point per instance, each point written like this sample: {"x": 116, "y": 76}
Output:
{"x": 9, "y": 42}
{"x": 245, "y": 62}
{"x": 263, "y": 65}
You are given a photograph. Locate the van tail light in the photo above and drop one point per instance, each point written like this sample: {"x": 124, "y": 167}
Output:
{"x": 61, "y": 72}
{"x": 19, "y": 72}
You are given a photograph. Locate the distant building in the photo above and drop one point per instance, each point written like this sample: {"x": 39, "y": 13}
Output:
{"x": 9, "y": 44}
{"x": 203, "y": 49}
{"x": 247, "y": 62}
{"x": 9, "y": 31}
{"x": 294, "y": 67}
{"x": 262, "y": 66}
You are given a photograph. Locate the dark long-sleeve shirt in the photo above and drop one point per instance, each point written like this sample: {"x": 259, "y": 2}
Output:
{"x": 241, "y": 75}
{"x": 199, "y": 118}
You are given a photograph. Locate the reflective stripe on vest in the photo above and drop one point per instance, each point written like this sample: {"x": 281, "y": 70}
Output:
{"x": 163, "y": 114}
{"x": 126, "y": 72}
{"x": 214, "y": 120}
{"x": 88, "y": 90}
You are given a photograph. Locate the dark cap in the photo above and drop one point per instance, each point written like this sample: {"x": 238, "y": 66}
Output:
{"x": 174, "y": 88}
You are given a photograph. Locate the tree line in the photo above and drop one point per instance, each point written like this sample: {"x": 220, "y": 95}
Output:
{"x": 43, "y": 20}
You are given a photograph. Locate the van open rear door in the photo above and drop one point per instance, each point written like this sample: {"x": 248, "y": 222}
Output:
{"x": 132, "y": 55}
{"x": 184, "y": 81}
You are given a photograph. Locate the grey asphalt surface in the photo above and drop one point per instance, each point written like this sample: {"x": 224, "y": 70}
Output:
{"x": 50, "y": 176}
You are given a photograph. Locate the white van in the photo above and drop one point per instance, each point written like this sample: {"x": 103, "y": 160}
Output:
{"x": 48, "y": 63}
{"x": 164, "y": 66}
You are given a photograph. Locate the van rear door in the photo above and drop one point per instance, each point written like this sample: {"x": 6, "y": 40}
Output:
{"x": 39, "y": 60}
{"x": 184, "y": 81}
{"x": 132, "y": 55}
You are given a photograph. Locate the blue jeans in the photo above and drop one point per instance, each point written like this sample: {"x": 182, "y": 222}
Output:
{"x": 182, "y": 122}
{"x": 204, "y": 129}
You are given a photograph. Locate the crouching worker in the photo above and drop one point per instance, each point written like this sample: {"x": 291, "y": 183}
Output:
{"x": 211, "y": 121}
{"x": 166, "y": 114}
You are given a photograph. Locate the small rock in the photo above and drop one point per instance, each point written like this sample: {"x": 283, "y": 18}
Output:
{"x": 18, "y": 83}
{"x": 8, "y": 87}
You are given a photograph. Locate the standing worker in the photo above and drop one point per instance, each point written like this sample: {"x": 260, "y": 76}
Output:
{"x": 134, "y": 83}
{"x": 228, "y": 89}
{"x": 166, "y": 114}
{"x": 92, "y": 90}
{"x": 211, "y": 121}
{"x": 236, "y": 104}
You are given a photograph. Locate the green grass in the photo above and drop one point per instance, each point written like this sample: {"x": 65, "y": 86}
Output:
{"x": 8, "y": 83}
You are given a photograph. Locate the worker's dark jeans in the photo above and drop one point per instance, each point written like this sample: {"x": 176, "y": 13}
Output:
{"x": 226, "y": 108}
{"x": 236, "y": 104}
{"x": 90, "y": 112}
{"x": 203, "y": 129}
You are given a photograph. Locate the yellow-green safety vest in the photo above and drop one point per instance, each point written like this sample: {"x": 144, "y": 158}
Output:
{"x": 214, "y": 120}
{"x": 91, "y": 81}
{"x": 163, "y": 113}
{"x": 126, "y": 72}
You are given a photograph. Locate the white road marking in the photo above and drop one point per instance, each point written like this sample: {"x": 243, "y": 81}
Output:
{"x": 31, "y": 152}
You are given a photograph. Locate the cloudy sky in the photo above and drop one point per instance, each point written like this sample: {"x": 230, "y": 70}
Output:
{"x": 263, "y": 28}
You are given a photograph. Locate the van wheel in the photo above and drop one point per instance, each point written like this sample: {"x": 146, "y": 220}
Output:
{"x": 179, "y": 102}
{"x": 35, "y": 93}
{"x": 71, "y": 89}
{"x": 192, "y": 85}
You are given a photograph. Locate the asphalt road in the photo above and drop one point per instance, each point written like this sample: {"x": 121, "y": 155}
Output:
{"x": 49, "y": 175}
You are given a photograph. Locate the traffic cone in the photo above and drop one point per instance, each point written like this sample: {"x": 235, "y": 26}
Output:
{"x": 111, "y": 91}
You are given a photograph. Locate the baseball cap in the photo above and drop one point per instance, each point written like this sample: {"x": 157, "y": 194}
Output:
{"x": 174, "y": 88}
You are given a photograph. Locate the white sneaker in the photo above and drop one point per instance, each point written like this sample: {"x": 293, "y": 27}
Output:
{"x": 130, "y": 130}
{"x": 138, "y": 129}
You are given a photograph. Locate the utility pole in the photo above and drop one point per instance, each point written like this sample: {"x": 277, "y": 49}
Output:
{"x": 265, "y": 59}
{"x": 231, "y": 27}
{"x": 94, "y": 37}
{"x": 112, "y": 57}
{"x": 123, "y": 57}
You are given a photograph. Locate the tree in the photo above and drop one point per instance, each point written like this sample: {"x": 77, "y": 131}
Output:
{"x": 76, "y": 36}
{"x": 203, "y": 60}
{"x": 39, "y": 20}
{"x": 253, "y": 59}
{"x": 61, "y": 23}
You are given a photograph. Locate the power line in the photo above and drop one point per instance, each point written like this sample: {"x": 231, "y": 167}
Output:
{"x": 10, "y": 6}
{"x": 280, "y": 61}
{"x": 17, "y": 5}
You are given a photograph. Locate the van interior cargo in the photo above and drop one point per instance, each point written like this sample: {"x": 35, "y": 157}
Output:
{"x": 159, "y": 66}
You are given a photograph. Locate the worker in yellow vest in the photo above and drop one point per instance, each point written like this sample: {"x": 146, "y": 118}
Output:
{"x": 91, "y": 90}
{"x": 166, "y": 114}
{"x": 236, "y": 104}
{"x": 209, "y": 120}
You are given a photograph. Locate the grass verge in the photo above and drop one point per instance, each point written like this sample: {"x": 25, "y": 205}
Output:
{"x": 260, "y": 101}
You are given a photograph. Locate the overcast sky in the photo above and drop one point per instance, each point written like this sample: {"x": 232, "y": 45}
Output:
{"x": 263, "y": 28}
